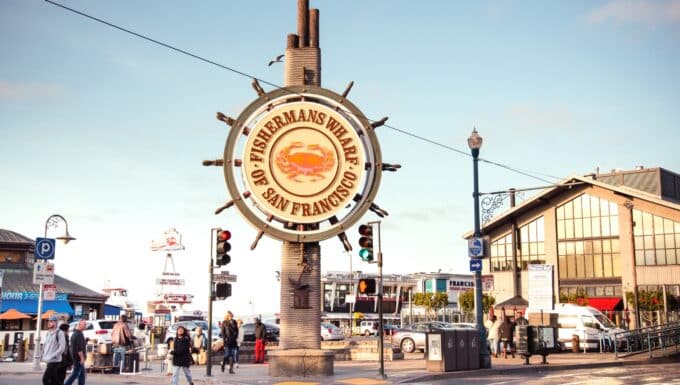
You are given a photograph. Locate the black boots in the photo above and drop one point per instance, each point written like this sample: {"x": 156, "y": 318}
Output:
{"x": 223, "y": 360}
{"x": 231, "y": 365}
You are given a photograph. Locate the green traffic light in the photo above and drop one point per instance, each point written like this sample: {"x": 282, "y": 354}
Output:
{"x": 366, "y": 255}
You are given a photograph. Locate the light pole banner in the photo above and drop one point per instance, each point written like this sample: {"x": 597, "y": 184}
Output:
{"x": 541, "y": 287}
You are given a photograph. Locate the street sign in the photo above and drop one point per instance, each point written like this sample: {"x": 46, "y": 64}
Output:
{"x": 224, "y": 277}
{"x": 43, "y": 273}
{"x": 475, "y": 265}
{"x": 50, "y": 292}
{"x": 476, "y": 247}
{"x": 44, "y": 248}
{"x": 487, "y": 282}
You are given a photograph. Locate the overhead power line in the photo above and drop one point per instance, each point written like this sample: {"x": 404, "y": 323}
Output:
{"x": 530, "y": 174}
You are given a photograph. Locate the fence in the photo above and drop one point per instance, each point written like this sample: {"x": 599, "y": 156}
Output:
{"x": 647, "y": 339}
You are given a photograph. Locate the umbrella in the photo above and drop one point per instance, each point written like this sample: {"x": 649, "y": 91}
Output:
{"x": 13, "y": 314}
{"x": 46, "y": 314}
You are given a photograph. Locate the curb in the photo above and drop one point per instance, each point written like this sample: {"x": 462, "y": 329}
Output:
{"x": 540, "y": 368}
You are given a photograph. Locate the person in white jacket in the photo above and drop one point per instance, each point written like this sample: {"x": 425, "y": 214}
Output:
{"x": 53, "y": 349}
{"x": 239, "y": 339}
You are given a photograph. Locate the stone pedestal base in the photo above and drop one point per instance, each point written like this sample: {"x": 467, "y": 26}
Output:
{"x": 300, "y": 363}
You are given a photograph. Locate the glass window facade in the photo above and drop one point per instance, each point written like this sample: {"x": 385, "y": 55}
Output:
{"x": 588, "y": 238}
{"x": 532, "y": 243}
{"x": 657, "y": 240}
{"x": 501, "y": 254}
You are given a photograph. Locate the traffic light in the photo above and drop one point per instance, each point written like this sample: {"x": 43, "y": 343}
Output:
{"x": 366, "y": 243}
{"x": 367, "y": 286}
{"x": 223, "y": 290}
{"x": 222, "y": 247}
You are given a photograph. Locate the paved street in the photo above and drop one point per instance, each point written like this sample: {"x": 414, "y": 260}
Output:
{"x": 564, "y": 369}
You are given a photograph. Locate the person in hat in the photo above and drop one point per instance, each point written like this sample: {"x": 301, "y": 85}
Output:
{"x": 53, "y": 349}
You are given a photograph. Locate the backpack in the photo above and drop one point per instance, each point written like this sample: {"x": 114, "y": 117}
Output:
{"x": 66, "y": 358}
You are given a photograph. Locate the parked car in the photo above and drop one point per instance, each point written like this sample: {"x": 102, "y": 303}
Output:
{"x": 98, "y": 330}
{"x": 191, "y": 326}
{"x": 330, "y": 332}
{"x": 368, "y": 328}
{"x": 412, "y": 337}
{"x": 272, "y": 332}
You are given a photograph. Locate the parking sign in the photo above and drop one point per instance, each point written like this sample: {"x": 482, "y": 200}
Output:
{"x": 44, "y": 248}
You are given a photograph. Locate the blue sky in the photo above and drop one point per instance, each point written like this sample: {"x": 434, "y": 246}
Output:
{"x": 110, "y": 130}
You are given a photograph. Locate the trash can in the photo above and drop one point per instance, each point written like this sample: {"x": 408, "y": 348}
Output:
{"x": 462, "y": 346}
{"x": 440, "y": 351}
{"x": 473, "y": 347}
{"x": 18, "y": 347}
{"x": 522, "y": 337}
{"x": 131, "y": 362}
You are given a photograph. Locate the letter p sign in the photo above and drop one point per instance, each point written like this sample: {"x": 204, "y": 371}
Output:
{"x": 44, "y": 248}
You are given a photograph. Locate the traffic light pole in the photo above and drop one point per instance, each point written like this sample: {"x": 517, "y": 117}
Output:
{"x": 381, "y": 329}
{"x": 208, "y": 366}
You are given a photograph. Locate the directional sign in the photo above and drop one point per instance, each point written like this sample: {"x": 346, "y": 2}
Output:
{"x": 476, "y": 247}
{"x": 44, "y": 248}
{"x": 475, "y": 265}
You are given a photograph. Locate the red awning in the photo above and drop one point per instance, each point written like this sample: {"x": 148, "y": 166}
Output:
{"x": 606, "y": 303}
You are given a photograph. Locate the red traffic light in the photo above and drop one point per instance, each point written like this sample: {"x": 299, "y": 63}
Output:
{"x": 366, "y": 230}
{"x": 224, "y": 235}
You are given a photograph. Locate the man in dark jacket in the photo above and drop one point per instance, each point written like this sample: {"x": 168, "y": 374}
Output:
{"x": 78, "y": 354}
{"x": 260, "y": 338}
{"x": 507, "y": 334}
{"x": 230, "y": 336}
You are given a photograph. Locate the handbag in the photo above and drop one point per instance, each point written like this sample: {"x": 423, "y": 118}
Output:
{"x": 217, "y": 345}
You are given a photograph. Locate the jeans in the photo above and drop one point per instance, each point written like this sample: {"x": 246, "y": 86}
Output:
{"x": 118, "y": 355}
{"x": 175, "y": 374}
{"x": 78, "y": 372}
{"x": 230, "y": 352}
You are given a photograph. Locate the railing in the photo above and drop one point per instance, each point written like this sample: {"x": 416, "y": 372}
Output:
{"x": 647, "y": 339}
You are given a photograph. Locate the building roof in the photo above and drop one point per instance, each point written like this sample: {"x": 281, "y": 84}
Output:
{"x": 564, "y": 185}
{"x": 21, "y": 280}
{"x": 10, "y": 240}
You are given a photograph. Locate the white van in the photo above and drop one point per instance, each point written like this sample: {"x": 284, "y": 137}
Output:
{"x": 588, "y": 323}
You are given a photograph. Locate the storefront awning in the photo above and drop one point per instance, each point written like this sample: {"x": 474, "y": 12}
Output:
{"x": 606, "y": 303}
{"x": 30, "y": 306}
{"x": 111, "y": 310}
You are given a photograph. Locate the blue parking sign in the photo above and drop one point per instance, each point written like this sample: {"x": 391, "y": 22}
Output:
{"x": 44, "y": 248}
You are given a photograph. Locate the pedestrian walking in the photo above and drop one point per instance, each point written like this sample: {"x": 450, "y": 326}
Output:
{"x": 507, "y": 332}
{"x": 239, "y": 339}
{"x": 66, "y": 359}
{"x": 230, "y": 336}
{"x": 260, "y": 340}
{"x": 181, "y": 356}
{"x": 53, "y": 349}
{"x": 494, "y": 335}
{"x": 78, "y": 354}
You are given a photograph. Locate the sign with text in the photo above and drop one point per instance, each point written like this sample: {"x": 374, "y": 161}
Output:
{"x": 43, "y": 273}
{"x": 487, "y": 282}
{"x": 540, "y": 287}
{"x": 224, "y": 278}
{"x": 49, "y": 292}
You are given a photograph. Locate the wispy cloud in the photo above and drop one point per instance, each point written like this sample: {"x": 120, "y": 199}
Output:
{"x": 28, "y": 91}
{"x": 637, "y": 12}
{"x": 533, "y": 118}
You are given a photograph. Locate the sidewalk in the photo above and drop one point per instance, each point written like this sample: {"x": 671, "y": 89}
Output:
{"x": 366, "y": 372}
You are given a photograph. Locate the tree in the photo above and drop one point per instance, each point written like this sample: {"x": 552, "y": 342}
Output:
{"x": 432, "y": 302}
{"x": 466, "y": 301}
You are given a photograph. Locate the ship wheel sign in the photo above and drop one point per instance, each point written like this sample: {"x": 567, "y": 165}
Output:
{"x": 302, "y": 164}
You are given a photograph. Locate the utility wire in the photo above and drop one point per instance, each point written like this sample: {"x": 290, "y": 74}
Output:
{"x": 200, "y": 58}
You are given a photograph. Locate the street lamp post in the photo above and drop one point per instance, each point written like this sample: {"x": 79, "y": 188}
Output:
{"x": 52, "y": 221}
{"x": 475, "y": 143}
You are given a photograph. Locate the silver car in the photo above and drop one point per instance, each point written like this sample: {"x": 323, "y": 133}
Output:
{"x": 330, "y": 332}
{"x": 412, "y": 337}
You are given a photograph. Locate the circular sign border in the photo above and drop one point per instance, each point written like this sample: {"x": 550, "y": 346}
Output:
{"x": 303, "y": 232}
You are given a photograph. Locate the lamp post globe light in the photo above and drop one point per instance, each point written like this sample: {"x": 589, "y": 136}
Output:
{"x": 475, "y": 143}
{"x": 52, "y": 221}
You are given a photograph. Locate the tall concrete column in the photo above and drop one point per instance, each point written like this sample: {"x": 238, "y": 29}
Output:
{"x": 299, "y": 352}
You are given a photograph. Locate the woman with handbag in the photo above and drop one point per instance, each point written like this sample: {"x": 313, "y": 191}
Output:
{"x": 181, "y": 356}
